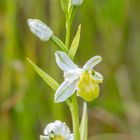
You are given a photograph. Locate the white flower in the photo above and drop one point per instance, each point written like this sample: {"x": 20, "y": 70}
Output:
{"x": 77, "y": 2}
{"x": 57, "y": 131}
{"x": 82, "y": 80}
{"x": 40, "y": 29}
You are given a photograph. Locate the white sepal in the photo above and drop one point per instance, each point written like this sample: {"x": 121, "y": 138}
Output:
{"x": 64, "y": 62}
{"x": 73, "y": 74}
{"x": 77, "y": 2}
{"x": 40, "y": 29}
{"x": 92, "y": 62}
{"x": 66, "y": 89}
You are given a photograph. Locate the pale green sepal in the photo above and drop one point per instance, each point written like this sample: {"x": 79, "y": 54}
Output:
{"x": 77, "y": 2}
{"x": 92, "y": 62}
{"x": 40, "y": 29}
{"x": 84, "y": 123}
{"x": 75, "y": 43}
{"x": 65, "y": 90}
{"x": 44, "y": 137}
{"x": 47, "y": 78}
{"x": 98, "y": 77}
{"x": 59, "y": 43}
{"x": 64, "y": 62}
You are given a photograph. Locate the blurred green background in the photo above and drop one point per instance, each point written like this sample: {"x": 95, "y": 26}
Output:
{"x": 110, "y": 28}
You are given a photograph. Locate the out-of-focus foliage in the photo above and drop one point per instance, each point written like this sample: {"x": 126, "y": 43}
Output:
{"x": 110, "y": 28}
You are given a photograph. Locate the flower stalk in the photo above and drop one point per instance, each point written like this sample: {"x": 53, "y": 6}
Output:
{"x": 75, "y": 117}
{"x": 73, "y": 105}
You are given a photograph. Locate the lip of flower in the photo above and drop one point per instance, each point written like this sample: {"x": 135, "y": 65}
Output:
{"x": 75, "y": 78}
{"x": 57, "y": 131}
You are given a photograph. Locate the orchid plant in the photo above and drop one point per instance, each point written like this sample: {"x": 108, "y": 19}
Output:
{"x": 78, "y": 82}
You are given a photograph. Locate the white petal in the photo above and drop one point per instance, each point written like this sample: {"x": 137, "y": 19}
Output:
{"x": 72, "y": 74}
{"x": 58, "y": 128}
{"x": 65, "y": 90}
{"x": 44, "y": 137}
{"x": 40, "y": 29}
{"x": 71, "y": 137}
{"x": 98, "y": 77}
{"x": 64, "y": 62}
{"x": 92, "y": 62}
{"x": 49, "y": 128}
{"x": 77, "y": 2}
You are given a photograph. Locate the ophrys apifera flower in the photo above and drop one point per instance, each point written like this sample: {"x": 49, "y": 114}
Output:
{"x": 57, "y": 131}
{"x": 84, "y": 81}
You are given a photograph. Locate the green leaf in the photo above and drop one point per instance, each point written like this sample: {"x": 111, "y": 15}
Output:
{"x": 83, "y": 125}
{"x": 47, "y": 78}
{"x": 64, "y": 4}
{"x": 75, "y": 43}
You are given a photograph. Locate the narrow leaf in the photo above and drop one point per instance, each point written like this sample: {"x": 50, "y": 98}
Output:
{"x": 83, "y": 125}
{"x": 47, "y": 78}
{"x": 75, "y": 43}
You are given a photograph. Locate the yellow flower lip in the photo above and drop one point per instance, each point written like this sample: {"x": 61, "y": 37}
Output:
{"x": 58, "y": 138}
{"x": 87, "y": 88}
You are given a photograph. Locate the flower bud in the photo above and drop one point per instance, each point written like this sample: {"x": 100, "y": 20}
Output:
{"x": 77, "y": 2}
{"x": 40, "y": 29}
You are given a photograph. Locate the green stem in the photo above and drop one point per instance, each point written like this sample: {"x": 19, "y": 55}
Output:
{"x": 69, "y": 20}
{"x": 73, "y": 103}
{"x": 75, "y": 117}
{"x": 59, "y": 43}
{"x": 68, "y": 33}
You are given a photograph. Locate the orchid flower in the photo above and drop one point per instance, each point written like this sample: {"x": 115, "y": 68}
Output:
{"x": 57, "y": 131}
{"x": 84, "y": 81}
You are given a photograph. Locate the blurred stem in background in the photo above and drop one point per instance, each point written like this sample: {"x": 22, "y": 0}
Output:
{"x": 9, "y": 49}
